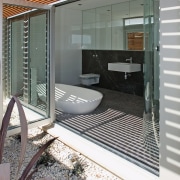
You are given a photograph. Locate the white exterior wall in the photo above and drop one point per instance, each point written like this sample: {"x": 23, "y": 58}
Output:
{"x": 68, "y": 53}
{"x": 170, "y": 90}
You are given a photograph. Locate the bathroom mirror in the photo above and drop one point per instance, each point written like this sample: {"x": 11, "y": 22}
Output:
{"x": 103, "y": 27}
{"x": 89, "y": 29}
{"x": 114, "y": 27}
{"x": 120, "y": 12}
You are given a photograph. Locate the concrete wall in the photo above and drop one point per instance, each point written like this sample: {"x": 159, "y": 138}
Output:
{"x": 68, "y": 53}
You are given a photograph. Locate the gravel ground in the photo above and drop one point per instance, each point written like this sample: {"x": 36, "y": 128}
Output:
{"x": 58, "y": 162}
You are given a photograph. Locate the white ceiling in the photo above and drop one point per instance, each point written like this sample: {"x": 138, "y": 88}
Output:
{"x": 89, "y": 4}
{"x": 136, "y": 6}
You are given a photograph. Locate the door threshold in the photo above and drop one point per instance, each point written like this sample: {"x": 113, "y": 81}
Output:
{"x": 108, "y": 160}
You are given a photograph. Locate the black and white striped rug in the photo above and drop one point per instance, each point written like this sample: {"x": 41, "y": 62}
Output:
{"x": 118, "y": 131}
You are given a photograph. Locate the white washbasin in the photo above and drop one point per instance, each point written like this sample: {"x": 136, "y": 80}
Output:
{"x": 124, "y": 67}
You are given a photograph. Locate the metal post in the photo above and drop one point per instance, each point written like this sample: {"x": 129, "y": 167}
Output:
{"x": 1, "y": 77}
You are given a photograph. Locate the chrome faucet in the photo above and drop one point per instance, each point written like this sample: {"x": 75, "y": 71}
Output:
{"x": 130, "y": 59}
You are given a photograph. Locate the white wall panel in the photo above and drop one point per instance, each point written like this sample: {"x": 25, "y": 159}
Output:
{"x": 68, "y": 53}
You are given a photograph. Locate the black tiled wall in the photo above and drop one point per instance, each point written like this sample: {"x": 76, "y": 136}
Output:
{"x": 96, "y": 61}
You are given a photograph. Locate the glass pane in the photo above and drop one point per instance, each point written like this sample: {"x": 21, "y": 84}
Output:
{"x": 155, "y": 20}
{"x": 103, "y": 28}
{"x": 38, "y": 62}
{"x": 27, "y": 66}
{"x": 119, "y": 13}
{"x": 151, "y": 80}
{"x": 17, "y": 58}
{"x": 148, "y": 67}
{"x": 133, "y": 21}
{"x": 136, "y": 8}
{"x": 135, "y": 40}
{"x": 89, "y": 29}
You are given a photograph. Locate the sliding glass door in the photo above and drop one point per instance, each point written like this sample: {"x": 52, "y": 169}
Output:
{"x": 17, "y": 56}
{"x": 30, "y": 61}
{"x": 38, "y": 63}
{"x": 28, "y": 70}
{"x": 151, "y": 79}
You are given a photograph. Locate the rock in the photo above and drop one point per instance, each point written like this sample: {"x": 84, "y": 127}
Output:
{"x": 68, "y": 165}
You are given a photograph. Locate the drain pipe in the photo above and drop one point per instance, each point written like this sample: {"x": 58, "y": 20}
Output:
{"x": 126, "y": 75}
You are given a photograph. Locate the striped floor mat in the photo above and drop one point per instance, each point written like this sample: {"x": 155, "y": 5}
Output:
{"x": 117, "y": 131}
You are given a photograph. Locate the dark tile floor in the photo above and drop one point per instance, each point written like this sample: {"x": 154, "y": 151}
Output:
{"x": 117, "y": 125}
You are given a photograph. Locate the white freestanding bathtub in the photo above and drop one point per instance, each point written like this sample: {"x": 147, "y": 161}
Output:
{"x": 76, "y": 100}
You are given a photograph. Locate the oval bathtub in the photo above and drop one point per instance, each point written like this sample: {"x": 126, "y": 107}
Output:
{"x": 76, "y": 100}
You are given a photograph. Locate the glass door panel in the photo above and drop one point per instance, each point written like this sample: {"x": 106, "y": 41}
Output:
{"x": 38, "y": 62}
{"x": 27, "y": 67}
{"x": 29, "y": 61}
{"x": 17, "y": 58}
{"x": 151, "y": 79}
